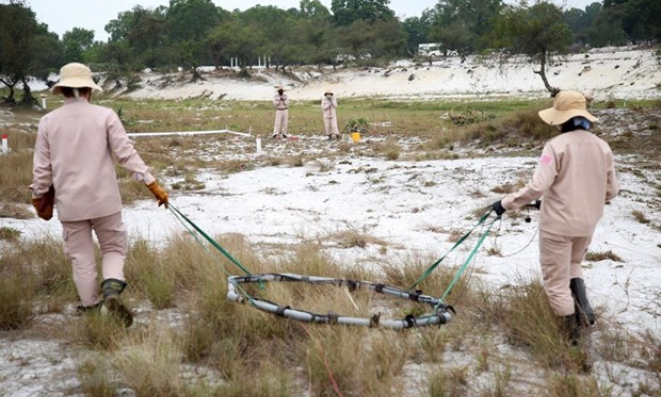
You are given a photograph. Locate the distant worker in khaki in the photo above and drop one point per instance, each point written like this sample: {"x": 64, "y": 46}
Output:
{"x": 74, "y": 171}
{"x": 329, "y": 108}
{"x": 281, "y": 103}
{"x": 576, "y": 176}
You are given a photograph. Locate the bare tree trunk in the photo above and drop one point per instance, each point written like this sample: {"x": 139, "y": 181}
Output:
{"x": 542, "y": 73}
{"x": 27, "y": 93}
{"x": 10, "y": 84}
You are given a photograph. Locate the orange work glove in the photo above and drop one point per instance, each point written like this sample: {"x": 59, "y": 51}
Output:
{"x": 44, "y": 204}
{"x": 160, "y": 193}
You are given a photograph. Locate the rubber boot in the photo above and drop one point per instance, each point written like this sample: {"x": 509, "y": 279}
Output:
{"x": 88, "y": 309}
{"x": 584, "y": 312}
{"x": 111, "y": 289}
{"x": 572, "y": 329}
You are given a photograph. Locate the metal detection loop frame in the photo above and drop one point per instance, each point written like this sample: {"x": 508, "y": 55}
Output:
{"x": 440, "y": 316}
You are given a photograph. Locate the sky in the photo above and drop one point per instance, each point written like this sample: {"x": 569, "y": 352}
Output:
{"x": 64, "y": 15}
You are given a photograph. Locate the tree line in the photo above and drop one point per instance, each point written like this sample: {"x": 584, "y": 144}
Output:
{"x": 191, "y": 33}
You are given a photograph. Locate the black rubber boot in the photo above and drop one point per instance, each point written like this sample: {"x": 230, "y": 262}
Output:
{"x": 584, "y": 312}
{"x": 88, "y": 309}
{"x": 111, "y": 289}
{"x": 573, "y": 329}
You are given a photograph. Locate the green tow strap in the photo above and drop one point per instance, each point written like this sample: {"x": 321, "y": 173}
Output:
{"x": 465, "y": 265}
{"x": 457, "y": 244}
{"x": 211, "y": 241}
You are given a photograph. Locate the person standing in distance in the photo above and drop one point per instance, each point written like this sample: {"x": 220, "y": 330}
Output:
{"x": 74, "y": 170}
{"x": 576, "y": 176}
{"x": 328, "y": 107}
{"x": 281, "y": 103}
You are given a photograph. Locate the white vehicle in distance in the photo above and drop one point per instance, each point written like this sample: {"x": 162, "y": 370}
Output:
{"x": 430, "y": 49}
{"x": 435, "y": 50}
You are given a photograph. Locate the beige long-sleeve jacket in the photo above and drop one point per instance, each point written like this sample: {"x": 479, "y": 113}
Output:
{"x": 74, "y": 151}
{"x": 329, "y": 106}
{"x": 281, "y": 102}
{"x": 576, "y": 176}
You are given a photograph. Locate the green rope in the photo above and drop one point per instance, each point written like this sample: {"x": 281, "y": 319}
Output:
{"x": 209, "y": 239}
{"x": 457, "y": 244}
{"x": 465, "y": 265}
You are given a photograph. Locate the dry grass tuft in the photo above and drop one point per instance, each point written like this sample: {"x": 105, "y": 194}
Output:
{"x": 16, "y": 211}
{"x": 17, "y": 296}
{"x": 602, "y": 256}
{"x": 94, "y": 377}
{"x": 515, "y": 130}
{"x": 152, "y": 368}
{"x": 98, "y": 330}
{"x": 353, "y": 238}
{"x": 528, "y": 321}
{"x": 9, "y": 233}
{"x": 14, "y": 184}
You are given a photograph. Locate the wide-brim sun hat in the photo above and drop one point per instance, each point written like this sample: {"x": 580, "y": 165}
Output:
{"x": 328, "y": 92}
{"x": 75, "y": 75}
{"x": 280, "y": 87}
{"x": 566, "y": 105}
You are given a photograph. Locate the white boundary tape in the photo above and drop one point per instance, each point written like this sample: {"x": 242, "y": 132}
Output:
{"x": 187, "y": 133}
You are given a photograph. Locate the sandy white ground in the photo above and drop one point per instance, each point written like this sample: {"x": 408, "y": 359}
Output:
{"x": 413, "y": 206}
{"x": 610, "y": 73}
{"x": 400, "y": 202}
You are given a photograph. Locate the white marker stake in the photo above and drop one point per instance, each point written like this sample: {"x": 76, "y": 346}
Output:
{"x": 5, "y": 144}
{"x": 258, "y": 141}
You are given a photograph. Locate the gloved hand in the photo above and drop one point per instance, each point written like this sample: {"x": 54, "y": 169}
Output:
{"x": 498, "y": 208}
{"x": 44, "y": 204}
{"x": 160, "y": 193}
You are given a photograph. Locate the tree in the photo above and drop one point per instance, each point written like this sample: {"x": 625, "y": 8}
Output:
{"x": 473, "y": 17}
{"x": 346, "y": 12}
{"x": 235, "y": 39}
{"x": 146, "y": 34}
{"x": 277, "y": 27}
{"x": 191, "y": 19}
{"x": 538, "y": 31}
{"x": 454, "y": 36}
{"x": 314, "y": 9}
{"x": 18, "y": 28}
{"x": 76, "y": 42}
{"x": 417, "y": 29}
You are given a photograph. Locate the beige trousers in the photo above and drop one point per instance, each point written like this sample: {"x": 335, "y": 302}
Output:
{"x": 79, "y": 248}
{"x": 561, "y": 259}
{"x": 281, "y": 121}
{"x": 330, "y": 125}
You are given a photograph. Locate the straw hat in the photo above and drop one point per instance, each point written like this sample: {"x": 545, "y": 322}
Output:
{"x": 566, "y": 105}
{"x": 280, "y": 87}
{"x": 75, "y": 75}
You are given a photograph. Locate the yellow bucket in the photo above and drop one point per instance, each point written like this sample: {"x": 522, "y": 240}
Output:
{"x": 355, "y": 136}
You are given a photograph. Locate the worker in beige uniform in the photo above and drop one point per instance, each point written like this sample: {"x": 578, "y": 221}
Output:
{"x": 74, "y": 171}
{"x": 575, "y": 175}
{"x": 328, "y": 107}
{"x": 281, "y": 103}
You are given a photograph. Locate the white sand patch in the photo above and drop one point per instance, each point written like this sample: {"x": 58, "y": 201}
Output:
{"x": 617, "y": 74}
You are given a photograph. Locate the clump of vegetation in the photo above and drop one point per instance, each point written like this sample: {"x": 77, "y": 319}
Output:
{"x": 9, "y": 233}
{"x": 513, "y": 131}
{"x": 470, "y": 117}
{"x": 358, "y": 124}
{"x": 529, "y": 322}
{"x": 602, "y": 256}
{"x": 640, "y": 217}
